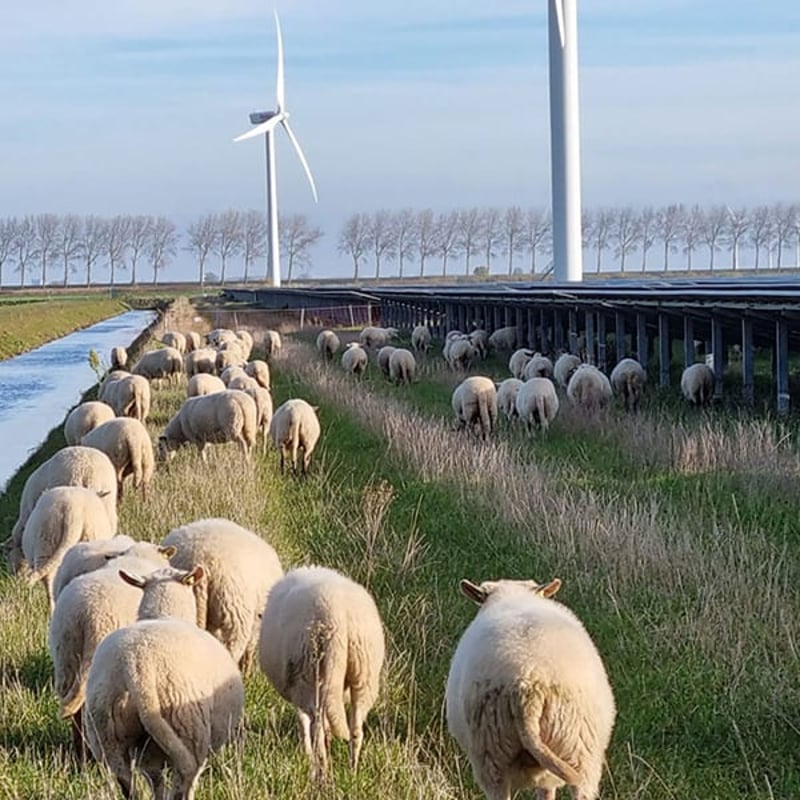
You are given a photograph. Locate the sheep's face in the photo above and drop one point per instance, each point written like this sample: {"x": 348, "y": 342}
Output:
{"x": 13, "y": 553}
{"x": 481, "y": 593}
{"x": 165, "y": 451}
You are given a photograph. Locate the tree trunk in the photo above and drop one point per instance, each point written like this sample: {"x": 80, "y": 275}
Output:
{"x": 88, "y": 272}
{"x": 289, "y": 269}
{"x": 467, "y": 255}
{"x": 355, "y": 268}
{"x": 377, "y": 267}
{"x": 66, "y": 270}
{"x": 222, "y": 271}
{"x": 401, "y": 265}
{"x": 133, "y": 272}
{"x": 44, "y": 271}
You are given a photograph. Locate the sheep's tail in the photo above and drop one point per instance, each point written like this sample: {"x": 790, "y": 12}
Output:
{"x": 486, "y": 420}
{"x": 331, "y": 671}
{"x": 73, "y": 696}
{"x": 293, "y": 438}
{"x": 70, "y": 523}
{"x": 541, "y": 410}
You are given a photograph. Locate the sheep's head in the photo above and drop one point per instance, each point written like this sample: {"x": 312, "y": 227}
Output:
{"x": 166, "y": 450}
{"x": 12, "y": 549}
{"x": 480, "y": 593}
{"x": 168, "y": 592}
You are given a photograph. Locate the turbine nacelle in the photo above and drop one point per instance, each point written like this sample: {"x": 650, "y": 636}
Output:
{"x": 257, "y": 117}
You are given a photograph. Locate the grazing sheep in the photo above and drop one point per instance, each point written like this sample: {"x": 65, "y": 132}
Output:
{"x": 263, "y": 401}
{"x": 538, "y": 367}
{"x": 382, "y": 359}
{"x": 474, "y": 402}
{"x": 228, "y": 416}
{"x": 374, "y": 338}
{"x": 193, "y": 341}
{"x": 119, "y": 358}
{"x": 229, "y": 373}
{"x": 129, "y": 396}
{"x": 243, "y": 383}
{"x": 564, "y": 368}
{"x": 402, "y": 366}
{"x": 328, "y": 343}
{"x": 175, "y": 340}
{"x": 220, "y": 336}
{"x": 84, "y": 418}
{"x": 589, "y": 388}
{"x": 527, "y": 695}
{"x": 162, "y": 693}
{"x": 127, "y": 443}
{"x": 627, "y": 380}
{"x": 537, "y": 401}
{"x": 697, "y": 384}
{"x": 461, "y": 354}
{"x": 61, "y": 517}
{"x": 518, "y": 361}
{"x": 245, "y": 341}
{"x": 479, "y": 339}
{"x": 504, "y": 339}
{"x": 202, "y": 383}
{"x": 507, "y": 396}
{"x": 259, "y": 371}
{"x": 322, "y": 638}
{"x": 70, "y": 466}
{"x": 201, "y": 360}
{"x": 295, "y": 426}
{"x": 231, "y": 356}
{"x": 156, "y": 364}
{"x": 421, "y": 339}
{"x": 451, "y": 337}
{"x": 355, "y": 359}
{"x": 241, "y": 569}
{"x": 272, "y": 344}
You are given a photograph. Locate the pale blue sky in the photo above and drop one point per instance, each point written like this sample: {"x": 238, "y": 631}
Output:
{"x": 131, "y": 106}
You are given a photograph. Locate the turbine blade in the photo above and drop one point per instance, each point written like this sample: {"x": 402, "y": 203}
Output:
{"x": 302, "y": 158}
{"x": 280, "y": 91}
{"x": 264, "y": 127}
{"x": 560, "y": 20}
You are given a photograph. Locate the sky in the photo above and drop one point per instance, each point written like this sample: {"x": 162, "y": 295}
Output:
{"x": 132, "y": 106}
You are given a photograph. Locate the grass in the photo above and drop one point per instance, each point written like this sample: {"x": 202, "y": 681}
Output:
{"x": 675, "y": 553}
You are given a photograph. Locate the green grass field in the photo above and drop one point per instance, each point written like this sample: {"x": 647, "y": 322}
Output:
{"x": 675, "y": 536}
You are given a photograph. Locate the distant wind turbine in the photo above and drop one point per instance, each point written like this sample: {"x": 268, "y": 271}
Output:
{"x": 266, "y": 122}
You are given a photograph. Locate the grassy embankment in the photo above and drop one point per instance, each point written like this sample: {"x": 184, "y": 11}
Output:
{"x": 674, "y": 538}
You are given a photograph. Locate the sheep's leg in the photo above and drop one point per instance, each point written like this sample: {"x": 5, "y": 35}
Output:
{"x": 183, "y": 786}
{"x": 78, "y": 741}
{"x": 545, "y": 794}
{"x": 495, "y": 786}
{"x": 355, "y": 722}
{"x": 305, "y": 732}
{"x": 47, "y": 580}
{"x": 319, "y": 753}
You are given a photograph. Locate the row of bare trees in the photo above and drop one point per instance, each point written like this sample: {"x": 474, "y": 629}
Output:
{"x": 72, "y": 244}
{"x": 480, "y": 236}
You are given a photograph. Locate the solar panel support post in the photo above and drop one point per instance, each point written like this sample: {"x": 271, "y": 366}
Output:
{"x": 641, "y": 339}
{"x": 748, "y": 386}
{"x": 619, "y": 335}
{"x": 782, "y": 365}
{"x": 717, "y": 355}
{"x": 664, "y": 350}
{"x": 601, "y": 340}
{"x": 688, "y": 341}
{"x": 591, "y": 343}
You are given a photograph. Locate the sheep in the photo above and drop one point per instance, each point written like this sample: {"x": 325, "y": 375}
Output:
{"x": 245, "y": 341}
{"x": 231, "y": 372}
{"x": 564, "y": 368}
{"x": 589, "y": 388}
{"x": 85, "y": 417}
{"x": 70, "y": 466}
{"x": 527, "y": 695}
{"x": 461, "y": 354}
{"x": 322, "y": 637}
{"x": 272, "y": 344}
{"x": 402, "y": 366}
{"x": 193, "y": 341}
{"x": 518, "y": 361}
{"x": 220, "y": 336}
{"x": 200, "y": 360}
{"x": 373, "y": 337}
{"x": 504, "y": 339}
{"x": 697, "y": 384}
{"x": 328, "y": 343}
{"x": 537, "y": 401}
{"x": 421, "y": 339}
{"x": 129, "y": 396}
{"x": 232, "y": 356}
{"x": 295, "y": 426}
{"x": 355, "y": 359}
{"x": 259, "y": 371}
{"x": 161, "y": 693}
{"x": 119, "y": 358}
{"x": 507, "y": 395}
{"x": 202, "y": 383}
{"x": 241, "y": 569}
{"x": 538, "y": 367}
{"x": 474, "y": 402}
{"x": 382, "y": 359}
{"x": 175, "y": 340}
{"x": 228, "y": 416}
{"x": 263, "y": 401}
{"x": 127, "y": 443}
{"x": 156, "y": 364}
{"x": 627, "y": 380}
{"x": 451, "y": 337}
{"x": 61, "y": 517}
{"x": 479, "y": 339}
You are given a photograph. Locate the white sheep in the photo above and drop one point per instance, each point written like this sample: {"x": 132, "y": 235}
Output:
{"x": 402, "y": 366}
{"x": 294, "y": 427}
{"x": 166, "y": 362}
{"x": 230, "y": 356}
{"x": 200, "y": 360}
{"x": 589, "y": 388}
{"x": 382, "y": 359}
{"x": 421, "y": 339}
{"x": 627, "y": 380}
{"x": 61, "y": 517}
{"x": 85, "y": 417}
{"x": 203, "y": 383}
{"x": 374, "y": 337}
{"x": 245, "y": 341}
{"x": 228, "y": 416}
{"x": 259, "y": 371}
{"x": 518, "y": 361}
{"x": 263, "y": 401}
{"x": 479, "y": 339}
{"x": 697, "y": 384}
{"x": 161, "y": 693}
{"x": 322, "y": 639}
{"x": 507, "y": 396}
{"x": 527, "y": 695}
{"x": 229, "y": 373}
{"x": 119, "y": 357}
{"x": 474, "y": 402}
{"x": 193, "y": 341}
{"x": 272, "y": 344}
{"x": 328, "y": 343}
{"x": 504, "y": 339}
{"x": 128, "y": 395}
{"x": 127, "y": 443}
{"x": 564, "y": 368}
{"x": 174, "y": 339}
{"x": 538, "y": 367}
{"x": 355, "y": 359}
{"x": 241, "y": 569}
{"x": 537, "y": 402}
{"x": 220, "y": 336}
{"x": 243, "y": 383}
{"x": 460, "y": 353}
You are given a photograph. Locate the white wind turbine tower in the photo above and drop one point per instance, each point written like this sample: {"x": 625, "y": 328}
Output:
{"x": 565, "y": 151}
{"x": 266, "y": 122}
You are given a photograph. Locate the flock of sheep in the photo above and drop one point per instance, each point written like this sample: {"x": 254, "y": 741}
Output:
{"x": 150, "y": 642}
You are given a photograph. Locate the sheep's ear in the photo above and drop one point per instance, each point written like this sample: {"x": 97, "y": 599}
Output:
{"x": 133, "y": 580}
{"x": 168, "y": 551}
{"x": 316, "y": 409}
{"x": 549, "y": 589}
{"x": 103, "y": 494}
{"x": 473, "y": 592}
{"x": 193, "y": 577}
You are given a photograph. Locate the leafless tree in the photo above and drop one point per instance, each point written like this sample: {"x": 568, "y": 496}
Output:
{"x": 254, "y": 240}
{"x": 538, "y": 227}
{"x": 425, "y": 237}
{"x": 403, "y": 234}
{"x": 23, "y": 245}
{"x": 447, "y": 231}
{"x": 162, "y": 244}
{"x": 669, "y": 224}
{"x": 782, "y": 226}
{"x": 91, "y": 243}
{"x": 601, "y": 233}
{"x": 117, "y": 233}
{"x": 796, "y": 233}
{"x": 647, "y": 224}
{"x": 760, "y": 232}
{"x": 513, "y": 225}
{"x": 354, "y": 240}
{"x": 736, "y": 227}
{"x": 491, "y": 233}
{"x": 68, "y": 241}
{"x": 624, "y": 234}
{"x": 712, "y": 231}
{"x": 8, "y": 229}
{"x": 297, "y": 236}
{"x": 381, "y": 238}
{"x": 138, "y": 239}
{"x": 201, "y": 236}
{"x": 228, "y": 241}
{"x": 469, "y": 232}
{"x": 691, "y": 231}
{"x": 45, "y": 232}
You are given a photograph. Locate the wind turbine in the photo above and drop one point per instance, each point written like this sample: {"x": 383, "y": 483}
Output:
{"x": 565, "y": 153}
{"x": 266, "y": 122}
